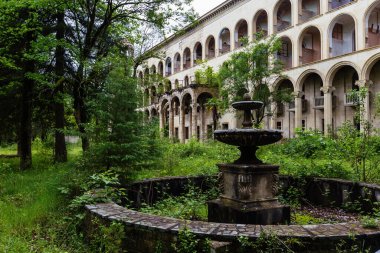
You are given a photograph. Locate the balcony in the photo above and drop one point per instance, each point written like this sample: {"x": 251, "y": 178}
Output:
{"x": 307, "y": 15}
{"x": 211, "y": 54}
{"x": 286, "y": 60}
{"x": 319, "y": 102}
{"x": 309, "y": 55}
{"x": 292, "y": 106}
{"x": 282, "y": 25}
{"x": 225, "y": 49}
{"x": 351, "y": 100}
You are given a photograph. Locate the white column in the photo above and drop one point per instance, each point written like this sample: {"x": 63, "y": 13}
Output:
{"x": 298, "y": 109}
{"x": 182, "y": 129}
{"x": 232, "y": 39}
{"x": 171, "y": 121}
{"x": 194, "y": 122}
{"x": 161, "y": 117}
{"x": 328, "y": 108}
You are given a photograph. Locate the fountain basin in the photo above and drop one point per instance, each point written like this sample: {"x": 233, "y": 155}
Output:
{"x": 247, "y": 105}
{"x": 248, "y": 137}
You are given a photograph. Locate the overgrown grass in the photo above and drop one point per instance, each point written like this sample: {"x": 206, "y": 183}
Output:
{"x": 32, "y": 210}
{"x": 192, "y": 158}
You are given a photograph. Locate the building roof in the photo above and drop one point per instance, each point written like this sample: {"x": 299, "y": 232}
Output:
{"x": 204, "y": 18}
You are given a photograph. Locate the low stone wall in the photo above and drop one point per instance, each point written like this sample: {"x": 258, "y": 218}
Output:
{"x": 144, "y": 231}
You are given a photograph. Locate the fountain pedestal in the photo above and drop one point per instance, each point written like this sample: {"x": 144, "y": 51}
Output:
{"x": 249, "y": 187}
{"x": 249, "y": 196}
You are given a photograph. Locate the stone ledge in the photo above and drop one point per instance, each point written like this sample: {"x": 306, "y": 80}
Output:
{"x": 224, "y": 231}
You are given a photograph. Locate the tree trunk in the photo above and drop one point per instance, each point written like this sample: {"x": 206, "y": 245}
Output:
{"x": 26, "y": 120}
{"x": 81, "y": 113}
{"x": 60, "y": 152}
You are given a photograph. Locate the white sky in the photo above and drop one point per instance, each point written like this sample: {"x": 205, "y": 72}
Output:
{"x": 203, "y": 6}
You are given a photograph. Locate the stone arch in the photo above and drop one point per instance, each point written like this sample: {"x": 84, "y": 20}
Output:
{"x": 342, "y": 34}
{"x": 301, "y": 79}
{"x": 153, "y": 112}
{"x": 310, "y": 45}
{"x": 224, "y": 41}
{"x": 260, "y": 22}
{"x": 198, "y": 53}
{"x": 146, "y": 76}
{"x": 334, "y": 69}
{"x": 168, "y": 66}
{"x": 146, "y": 115}
{"x": 175, "y": 104}
{"x": 372, "y": 24}
{"x": 153, "y": 70}
{"x": 176, "y": 84}
{"x": 280, "y": 80}
{"x": 186, "y": 58}
{"x": 146, "y": 97}
{"x": 282, "y": 15}
{"x": 368, "y": 66}
{"x": 177, "y": 63}
{"x": 186, "y": 94}
{"x": 160, "y": 67}
{"x": 140, "y": 78}
{"x": 210, "y": 47}
{"x": 186, "y": 81}
{"x": 285, "y": 55}
{"x": 241, "y": 32}
{"x": 168, "y": 86}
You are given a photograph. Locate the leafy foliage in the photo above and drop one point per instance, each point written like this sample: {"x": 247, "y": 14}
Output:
{"x": 251, "y": 70}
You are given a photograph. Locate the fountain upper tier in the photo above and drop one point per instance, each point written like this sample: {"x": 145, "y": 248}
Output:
{"x": 248, "y": 136}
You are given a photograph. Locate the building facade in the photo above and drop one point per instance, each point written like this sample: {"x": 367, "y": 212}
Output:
{"x": 329, "y": 47}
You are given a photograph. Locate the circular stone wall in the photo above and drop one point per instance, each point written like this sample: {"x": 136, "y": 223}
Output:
{"x": 144, "y": 231}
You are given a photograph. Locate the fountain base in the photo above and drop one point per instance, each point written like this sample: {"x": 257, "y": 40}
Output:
{"x": 220, "y": 212}
{"x": 248, "y": 196}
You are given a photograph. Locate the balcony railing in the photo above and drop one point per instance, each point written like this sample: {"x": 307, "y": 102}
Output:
{"x": 225, "y": 49}
{"x": 351, "y": 100}
{"x": 319, "y": 102}
{"x": 282, "y": 25}
{"x": 211, "y": 54}
{"x": 307, "y": 14}
{"x": 286, "y": 60}
{"x": 187, "y": 65}
{"x": 292, "y": 106}
{"x": 309, "y": 55}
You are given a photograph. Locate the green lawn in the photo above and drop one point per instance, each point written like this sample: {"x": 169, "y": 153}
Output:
{"x": 32, "y": 210}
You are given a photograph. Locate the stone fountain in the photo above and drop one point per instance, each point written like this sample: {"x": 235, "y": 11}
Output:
{"x": 249, "y": 187}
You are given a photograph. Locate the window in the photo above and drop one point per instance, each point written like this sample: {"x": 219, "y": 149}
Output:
{"x": 337, "y": 32}
{"x": 303, "y": 124}
{"x": 225, "y": 126}
{"x": 186, "y": 133}
{"x": 279, "y": 125}
{"x": 198, "y": 132}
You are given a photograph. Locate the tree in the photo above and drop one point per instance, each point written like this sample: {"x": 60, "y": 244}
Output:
{"x": 116, "y": 131}
{"x": 21, "y": 27}
{"x": 251, "y": 70}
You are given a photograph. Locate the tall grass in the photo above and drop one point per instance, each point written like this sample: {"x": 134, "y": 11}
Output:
{"x": 32, "y": 210}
